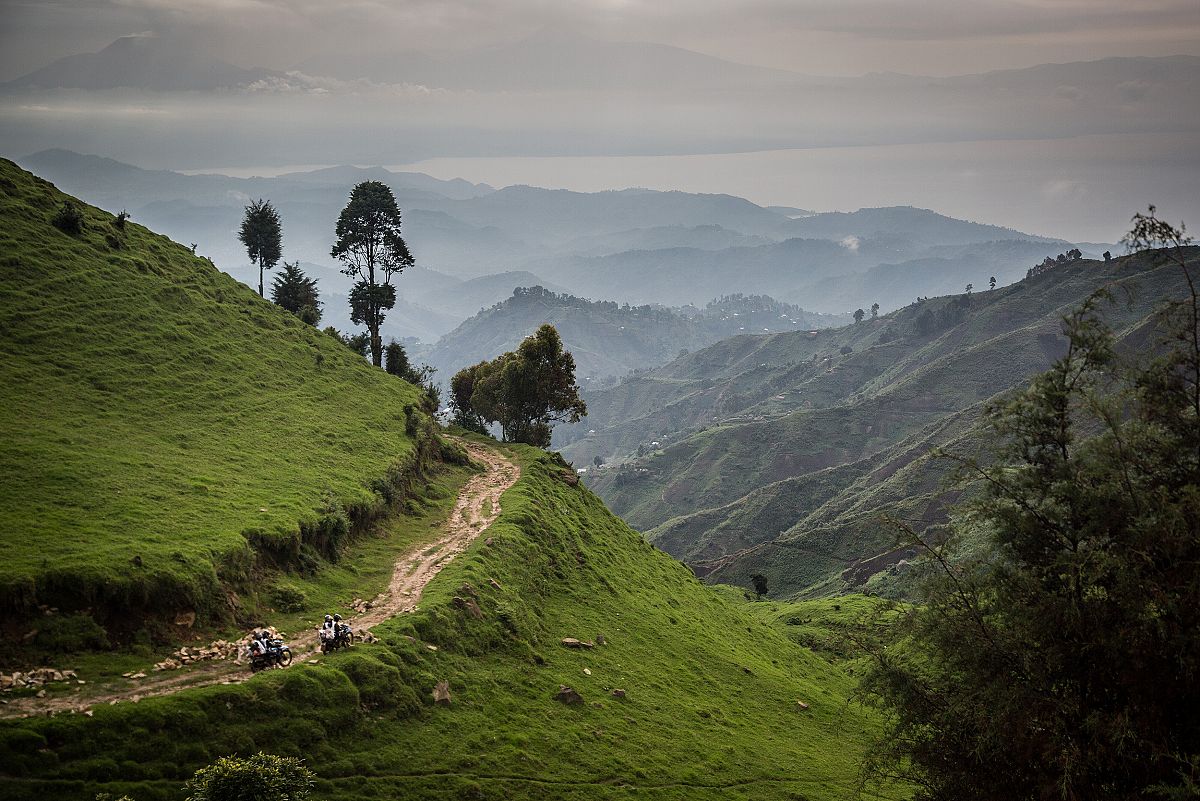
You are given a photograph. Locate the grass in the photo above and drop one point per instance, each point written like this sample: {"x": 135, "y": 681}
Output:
{"x": 787, "y": 443}
{"x": 160, "y": 417}
{"x": 710, "y": 710}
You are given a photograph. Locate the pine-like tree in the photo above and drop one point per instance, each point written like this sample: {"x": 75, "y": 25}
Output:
{"x": 296, "y": 292}
{"x": 262, "y": 234}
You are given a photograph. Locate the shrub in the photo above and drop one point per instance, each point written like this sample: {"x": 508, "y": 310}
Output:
{"x": 262, "y": 777}
{"x": 71, "y": 633}
{"x": 288, "y": 598}
{"x": 68, "y": 219}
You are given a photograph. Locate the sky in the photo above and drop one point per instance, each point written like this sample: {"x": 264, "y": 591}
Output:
{"x": 549, "y": 92}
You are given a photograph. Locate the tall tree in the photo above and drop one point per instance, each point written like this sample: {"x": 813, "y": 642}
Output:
{"x": 527, "y": 390}
{"x": 296, "y": 292}
{"x": 1058, "y": 658}
{"x": 262, "y": 235}
{"x": 859, "y": 314}
{"x": 874, "y": 310}
{"x": 371, "y": 249}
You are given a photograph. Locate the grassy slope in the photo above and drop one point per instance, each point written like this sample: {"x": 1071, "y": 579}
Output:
{"x": 156, "y": 408}
{"x": 710, "y": 713}
{"x": 818, "y": 479}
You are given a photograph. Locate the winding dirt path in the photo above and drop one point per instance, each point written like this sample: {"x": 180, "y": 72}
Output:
{"x": 477, "y": 507}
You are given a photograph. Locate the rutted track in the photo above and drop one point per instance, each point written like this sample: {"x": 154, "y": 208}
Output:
{"x": 477, "y": 507}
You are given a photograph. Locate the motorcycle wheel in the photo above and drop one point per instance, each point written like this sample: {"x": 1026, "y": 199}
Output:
{"x": 285, "y": 658}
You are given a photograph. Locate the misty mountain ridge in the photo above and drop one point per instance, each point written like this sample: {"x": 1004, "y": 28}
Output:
{"x": 143, "y": 62}
{"x": 635, "y": 246}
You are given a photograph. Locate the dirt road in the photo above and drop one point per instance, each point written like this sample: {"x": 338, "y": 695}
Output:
{"x": 477, "y": 507}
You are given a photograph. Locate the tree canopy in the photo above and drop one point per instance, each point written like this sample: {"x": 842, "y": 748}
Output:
{"x": 262, "y": 234}
{"x": 1056, "y": 652}
{"x": 296, "y": 292}
{"x": 371, "y": 249}
{"x": 525, "y": 391}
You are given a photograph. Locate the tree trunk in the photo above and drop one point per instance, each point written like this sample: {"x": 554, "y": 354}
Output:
{"x": 260, "y": 281}
{"x": 376, "y": 347}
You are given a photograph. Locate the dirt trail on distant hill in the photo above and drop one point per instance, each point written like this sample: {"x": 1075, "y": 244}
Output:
{"x": 477, "y": 507}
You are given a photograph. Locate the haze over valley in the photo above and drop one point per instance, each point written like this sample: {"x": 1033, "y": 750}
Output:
{"x": 589, "y": 400}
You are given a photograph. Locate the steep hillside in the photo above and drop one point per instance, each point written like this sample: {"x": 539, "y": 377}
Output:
{"x": 166, "y": 431}
{"x": 683, "y": 692}
{"x": 779, "y": 454}
{"x": 609, "y": 340}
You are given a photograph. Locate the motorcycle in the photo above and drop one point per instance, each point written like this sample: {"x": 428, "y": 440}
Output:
{"x": 342, "y": 638}
{"x": 276, "y": 655}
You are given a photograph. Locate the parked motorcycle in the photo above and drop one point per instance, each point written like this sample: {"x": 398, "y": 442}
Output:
{"x": 276, "y": 655}
{"x": 343, "y": 637}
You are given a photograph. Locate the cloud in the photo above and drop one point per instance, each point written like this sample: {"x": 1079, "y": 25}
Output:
{"x": 850, "y": 243}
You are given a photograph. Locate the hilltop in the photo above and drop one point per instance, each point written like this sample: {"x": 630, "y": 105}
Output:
{"x": 609, "y": 339}
{"x": 167, "y": 433}
{"x": 781, "y": 454}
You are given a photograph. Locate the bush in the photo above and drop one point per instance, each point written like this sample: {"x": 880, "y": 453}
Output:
{"x": 288, "y": 598}
{"x": 262, "y": 777}
{"x": 71, "y": 633}
{"x": 68, "y": 219}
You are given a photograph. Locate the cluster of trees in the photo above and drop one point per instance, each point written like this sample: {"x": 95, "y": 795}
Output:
{"x": 1058, "y": 657}
{"x": 369, "y": 245}
{"x": 951, "y": 313}
{"x": 523, "y": 391}
{"x": 1074, "y": 254}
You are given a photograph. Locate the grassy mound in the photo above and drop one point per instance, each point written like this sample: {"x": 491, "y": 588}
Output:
{"x": 709, "y": 710}
{"x": 164, "y": 427}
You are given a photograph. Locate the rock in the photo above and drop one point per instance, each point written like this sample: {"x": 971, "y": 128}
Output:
{"x": 567, "y": 695}
{"x": 41, "y": 693}
{"x": 88, "y": 712}
{"x": 618, "y": 693}
{"x": 467, "y": 589}
{"x": 187, "y": 619}
{"x": 127, "y": 675}
{"x": 469, "y": 606}
{"x": 489, "y": 541}
{"x": 747, "y": 671}
{"x": 441, "y": 693}
{"x": 801, "y": 705}
{"x": 571, "y": 642}
{"x": 29, "y": 635}
{"x": 587, "y": 671}
{"x": 569, "y": 477}
{"x": 431, "y": 647}
{"x": 495, "y": 585}
{"x": 600, "y": 640}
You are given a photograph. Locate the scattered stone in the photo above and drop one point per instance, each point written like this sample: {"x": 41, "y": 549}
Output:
{"x": 88, "y": 712}
{"x": 467, "y": 589}
{"x": 138, "y": 676}
{"x": 489, "y": 541}
{"x": 618, "y": 693}
{"x": 587, "y": 671}
{"x": 262, "y": 508}
{"x": 41, "y": 693}
{"x": 600, "y": 640}
{"x": 128, "y": 675}
{"x": 431, "y": 647}
{"x": 80, "y": 681}
{"x": 801, "y": 705}
{"x": 29, "y": 635}
{"x": 494, "y": 584}
{"x": 571, "y": 642}
{"x": 747, "y": 671}
{"x": 567, "y": 695}
{"x": 186, "y": 619}
{"x": 441, "y": 693}
{"x": 314, "y": 661}
{"x": 468, "y": 605}
{"x": 569, "y": 477}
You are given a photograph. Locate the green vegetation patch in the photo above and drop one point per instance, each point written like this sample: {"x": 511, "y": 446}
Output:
{"x": 709, "y": 709}
{"x": 160, "y": 419}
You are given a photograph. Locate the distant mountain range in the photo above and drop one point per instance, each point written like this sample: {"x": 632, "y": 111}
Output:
{"x": 607, "y": 339}
{"x": 475, "y": 244}
{"x": 142, "y": 62}
{"x": 782, "y": 453}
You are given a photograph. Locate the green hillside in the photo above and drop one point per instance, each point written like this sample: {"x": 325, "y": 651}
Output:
{"x": 780, "y": 454}
{"x": 711, "y": 685}
{"x": 165, "y": 429}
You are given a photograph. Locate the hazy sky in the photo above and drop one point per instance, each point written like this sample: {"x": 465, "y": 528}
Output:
{"x": 543, "y": 92}
{"x": 843, "y": 37}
